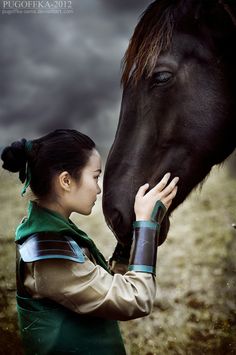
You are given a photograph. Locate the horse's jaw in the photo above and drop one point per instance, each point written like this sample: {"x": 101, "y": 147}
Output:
{"x": 123, "y": 229}
{"x": 125, "y": 237}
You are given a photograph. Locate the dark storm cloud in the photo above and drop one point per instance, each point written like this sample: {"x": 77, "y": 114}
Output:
{"x": 64, "y": 70}
{"x": 119, "y": 6}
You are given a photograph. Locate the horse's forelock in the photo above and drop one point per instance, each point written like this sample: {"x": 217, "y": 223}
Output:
{"x": 153, "y": 35}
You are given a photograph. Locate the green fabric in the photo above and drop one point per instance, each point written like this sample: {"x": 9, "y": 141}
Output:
{"x": 44, "y": 220}
{"x": 50, "y": 329}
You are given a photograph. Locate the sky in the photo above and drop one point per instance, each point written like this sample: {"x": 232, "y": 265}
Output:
{"x": 63, "y": 70}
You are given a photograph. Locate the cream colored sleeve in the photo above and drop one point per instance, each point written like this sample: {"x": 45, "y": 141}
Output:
{"x": 89, "y": 289}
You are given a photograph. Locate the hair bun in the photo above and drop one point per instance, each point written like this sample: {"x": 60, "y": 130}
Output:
{"x": 14, "y": 157}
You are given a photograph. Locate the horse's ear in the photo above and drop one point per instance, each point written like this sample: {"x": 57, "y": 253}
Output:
{"x": 191, "y": 7}
{"x": 198, "y": 8}
{"x": 230, "y": 8}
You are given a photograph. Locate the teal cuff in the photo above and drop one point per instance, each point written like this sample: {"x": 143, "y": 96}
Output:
{"x": 157, "y": 206}
{"x": 146, "y": 224}
{"x": 143, "y": 268}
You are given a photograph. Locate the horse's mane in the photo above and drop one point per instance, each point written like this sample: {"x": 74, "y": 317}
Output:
{"x": 153, "y": 35}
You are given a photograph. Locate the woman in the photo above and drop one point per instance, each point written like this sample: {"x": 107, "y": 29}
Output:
{"x": 68, "y": 300}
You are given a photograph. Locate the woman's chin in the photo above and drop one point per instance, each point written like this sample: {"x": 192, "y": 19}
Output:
{"x": 86, "y": 210}
{"x": 87, "y": 213}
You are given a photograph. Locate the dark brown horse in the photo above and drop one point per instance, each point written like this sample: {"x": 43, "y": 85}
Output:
{"x": 178, "y": 111}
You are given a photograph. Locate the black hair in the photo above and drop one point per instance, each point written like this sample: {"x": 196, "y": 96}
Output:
{"x": 58, "y": 151}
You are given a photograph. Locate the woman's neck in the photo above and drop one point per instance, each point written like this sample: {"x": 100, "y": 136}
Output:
{"x": 54, "y": 206}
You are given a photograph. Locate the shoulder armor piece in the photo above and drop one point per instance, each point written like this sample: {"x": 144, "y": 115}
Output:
{"x": 41, "y": 246}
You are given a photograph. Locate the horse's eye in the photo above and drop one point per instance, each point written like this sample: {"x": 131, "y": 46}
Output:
{"x": 162, "y": 77}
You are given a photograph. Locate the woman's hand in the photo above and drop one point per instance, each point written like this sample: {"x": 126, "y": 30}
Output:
{"x": 144, "y": 204}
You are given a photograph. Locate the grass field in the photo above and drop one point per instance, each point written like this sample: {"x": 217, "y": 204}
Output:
{"x": 195, "y": 307}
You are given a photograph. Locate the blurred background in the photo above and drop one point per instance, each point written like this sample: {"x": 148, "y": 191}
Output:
{"x": 62, "y": 70}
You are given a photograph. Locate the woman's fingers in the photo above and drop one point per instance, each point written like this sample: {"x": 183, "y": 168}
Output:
{"x": 171, "y": 195}
{"x": 145, "y": 201}
{"x": 142, "y": 190}
{"x": 167, "y": 190}
{"x": 168, "y": 199}
{"x": 160, "y": 186}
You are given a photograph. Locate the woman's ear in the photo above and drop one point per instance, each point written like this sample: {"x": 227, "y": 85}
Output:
{"x": 65, "y": 181}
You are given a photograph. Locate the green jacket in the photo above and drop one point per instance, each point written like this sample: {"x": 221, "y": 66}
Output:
{"x": 47, "y": 327}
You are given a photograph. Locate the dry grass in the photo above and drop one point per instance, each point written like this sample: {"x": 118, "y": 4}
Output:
{"x": 195, "y": 308}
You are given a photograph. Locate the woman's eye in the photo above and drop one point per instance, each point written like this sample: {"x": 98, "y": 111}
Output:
{"x": 161, "y": 78}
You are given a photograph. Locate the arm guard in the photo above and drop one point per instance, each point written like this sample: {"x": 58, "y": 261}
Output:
{"x": 50, "y": 245}
{"x": 145, "y": 241}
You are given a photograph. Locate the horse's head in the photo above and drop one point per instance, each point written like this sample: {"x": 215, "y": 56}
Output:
{"x": 178, "y": 108}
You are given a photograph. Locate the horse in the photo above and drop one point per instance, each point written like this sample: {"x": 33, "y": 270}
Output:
{"x": 178, "y": 105}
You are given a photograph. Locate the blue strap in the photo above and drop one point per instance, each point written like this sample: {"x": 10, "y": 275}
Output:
{"x": 143, "y": 268}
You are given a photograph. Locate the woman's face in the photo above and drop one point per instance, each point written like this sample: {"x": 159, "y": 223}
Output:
{"x": 84, "y": 193}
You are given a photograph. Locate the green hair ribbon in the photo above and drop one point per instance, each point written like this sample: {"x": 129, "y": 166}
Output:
{"x": 28, "y": 148}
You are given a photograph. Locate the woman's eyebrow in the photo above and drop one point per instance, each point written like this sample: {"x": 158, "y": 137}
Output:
{"x": 98, "y": 170}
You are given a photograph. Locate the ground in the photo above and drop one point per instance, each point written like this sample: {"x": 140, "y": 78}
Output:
{"x": 195, "y": 307}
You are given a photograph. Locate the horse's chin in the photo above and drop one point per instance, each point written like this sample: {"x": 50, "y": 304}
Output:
{"x": 165, "y": 225}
